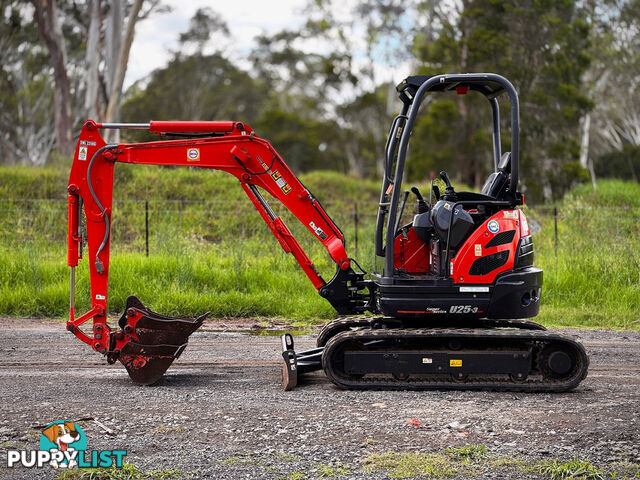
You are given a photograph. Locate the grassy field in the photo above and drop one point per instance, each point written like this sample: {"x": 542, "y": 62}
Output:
{"x": 210, "y": 250}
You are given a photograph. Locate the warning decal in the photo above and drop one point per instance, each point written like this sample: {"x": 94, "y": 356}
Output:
{"x": 82, "y": 153}
{"x": 284, "y": 186}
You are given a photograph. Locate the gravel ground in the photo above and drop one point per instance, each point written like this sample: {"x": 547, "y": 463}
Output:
{"x": 220, "y": 412}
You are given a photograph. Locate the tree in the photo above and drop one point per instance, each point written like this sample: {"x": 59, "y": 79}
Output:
{"x": 216, "y": 89}
{"x": 26, "y": 95}
{"x": 96, "y": 73}
{"x": 117, "y": 79}
{"x": 362, "y": 139}
{"x": 615, "y": 87}
{"x": 197, "y": 86}
{"x": 213, "y": 89}
{"x": 541, "y": 46}
{"x": 47, "y": 18}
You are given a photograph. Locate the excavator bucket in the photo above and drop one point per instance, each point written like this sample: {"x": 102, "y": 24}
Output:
{"x": 154, "y": 341}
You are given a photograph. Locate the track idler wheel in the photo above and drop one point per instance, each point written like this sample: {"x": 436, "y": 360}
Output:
{"x": 557, "y": 362}
{"x": 154, "y": 341}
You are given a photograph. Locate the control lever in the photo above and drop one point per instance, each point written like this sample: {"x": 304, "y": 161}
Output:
{"x": 445, "y": 178}
{"x": 434, "y": 192}
{"x": 422, "y": 205}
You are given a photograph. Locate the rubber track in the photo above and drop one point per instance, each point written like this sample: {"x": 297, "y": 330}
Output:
{"x": 347, "y": 323}
{"x": 340, "y": 325}
{"x": 518, "y": 337}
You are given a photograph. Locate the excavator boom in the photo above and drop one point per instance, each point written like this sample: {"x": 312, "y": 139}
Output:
{"x": 228, "y": 146}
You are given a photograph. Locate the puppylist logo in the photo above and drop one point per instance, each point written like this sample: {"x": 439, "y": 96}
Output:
{"x": 63, "y": 444}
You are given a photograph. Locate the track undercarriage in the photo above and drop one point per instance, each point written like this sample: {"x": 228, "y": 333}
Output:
{"x": 386, "y": 353}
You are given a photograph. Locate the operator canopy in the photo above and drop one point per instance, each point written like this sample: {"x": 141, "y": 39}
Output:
{"x": 485, "y": 84}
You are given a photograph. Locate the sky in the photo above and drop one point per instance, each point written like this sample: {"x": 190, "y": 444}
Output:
{"x": 156, "y": 36}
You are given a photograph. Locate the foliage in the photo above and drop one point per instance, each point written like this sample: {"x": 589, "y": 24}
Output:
{"x": 195, "y": 87}
{"x": 332, "y": 471}
{"x": 472, "y": 453}
{"x": 323, "y": 92}
{"x": 305, "y": 142}
{"x": 613, "y": 79}
{"x": 127, "y": 472}
{"x": 26, "y": 96}
{"x": 405, "y": 465}
{"x": 573, "y": 469}
{"x": 622, "y": 164}
{"x": 362, "y": 138}
{"x": 210, "y": 250}
{"x": 540, "y": 46}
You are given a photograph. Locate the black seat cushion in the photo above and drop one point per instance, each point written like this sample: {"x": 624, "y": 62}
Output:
{"x": 497, "y": 181}
{"x": 494, "y": 185}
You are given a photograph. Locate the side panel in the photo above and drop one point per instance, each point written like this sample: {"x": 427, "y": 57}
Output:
{"x": 411, "y": 253}
{"x": 489, "y": 250}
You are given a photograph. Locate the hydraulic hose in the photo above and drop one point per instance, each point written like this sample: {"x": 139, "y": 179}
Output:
{"x": 99, "y": 265}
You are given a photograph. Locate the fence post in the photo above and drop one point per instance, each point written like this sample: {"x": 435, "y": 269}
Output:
{"x": 355, "y": 224}
{"x": 146, "y": 226}
{"x": 555, "y": 230}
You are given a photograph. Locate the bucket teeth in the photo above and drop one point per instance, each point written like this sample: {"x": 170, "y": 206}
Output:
{"x": 160, "y": 340}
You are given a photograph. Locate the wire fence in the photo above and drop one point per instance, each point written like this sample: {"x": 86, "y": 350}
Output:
{"x": 160, "y": 226}
{"x": 153, "y": 226}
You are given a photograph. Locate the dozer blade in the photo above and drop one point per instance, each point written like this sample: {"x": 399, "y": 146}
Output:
{"x": 154, "y": 341}
{"x": 297, "y": 363}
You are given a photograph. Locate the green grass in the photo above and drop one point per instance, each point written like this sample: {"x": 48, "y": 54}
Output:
{"x": 471, "y": 453}
{"x": 295, "y": 475}
{"x": 210, "y": 250}
{"x": 332, "y": 471}
{"x": 573, "y": 469}
{"x": 127, "y": 472}
{"x": 453, "y": 462}
{"x": 405, "y": 465}
{"x": 472, "y": 461}
{"x": 594, "y": 281}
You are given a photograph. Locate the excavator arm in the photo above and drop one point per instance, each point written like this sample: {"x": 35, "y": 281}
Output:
{"x": 148, "y": 342}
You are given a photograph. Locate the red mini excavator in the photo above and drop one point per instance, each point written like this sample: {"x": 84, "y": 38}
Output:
{"x": 449, "y": 307}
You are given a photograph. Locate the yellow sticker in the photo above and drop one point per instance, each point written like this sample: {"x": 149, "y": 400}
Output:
{"x": 427, "y": 360}
{"x": 510, "y": 214}
{"x": 478, "y": 249}
{"x": 455, "y": 363}
{"x": 193, "y": 155}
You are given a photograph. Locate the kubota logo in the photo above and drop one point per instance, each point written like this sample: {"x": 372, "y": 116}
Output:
{"x": 63, "y": 444}
{"x": 193, "y": 154}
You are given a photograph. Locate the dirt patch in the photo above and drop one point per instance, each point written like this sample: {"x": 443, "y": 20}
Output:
{"x": 220, "y": 411}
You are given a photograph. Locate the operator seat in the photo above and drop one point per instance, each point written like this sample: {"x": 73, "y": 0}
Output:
{"x": 495, "y": 184}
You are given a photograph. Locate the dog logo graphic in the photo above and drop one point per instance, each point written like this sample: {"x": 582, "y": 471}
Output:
{"x": 64, "y": 439}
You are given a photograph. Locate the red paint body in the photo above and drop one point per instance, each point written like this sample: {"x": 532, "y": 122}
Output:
{"x": 252, "y": 160}
{"x": 465, "y": 256}
{"x": 412, "y": 254}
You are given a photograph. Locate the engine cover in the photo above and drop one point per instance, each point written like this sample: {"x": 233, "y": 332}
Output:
{"x": 461, "y": 226}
